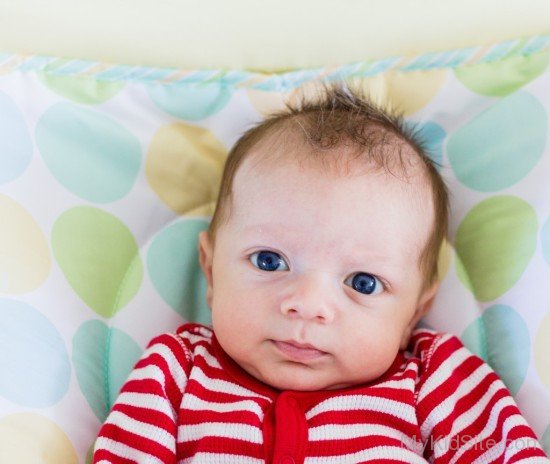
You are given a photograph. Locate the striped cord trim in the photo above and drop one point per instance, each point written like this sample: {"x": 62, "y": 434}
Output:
{"x": 273, "y": 81}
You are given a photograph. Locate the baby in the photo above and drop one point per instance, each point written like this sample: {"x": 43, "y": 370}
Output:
{"x": 320, "y": 260}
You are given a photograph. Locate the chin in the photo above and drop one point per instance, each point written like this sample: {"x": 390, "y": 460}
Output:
{"x": 293, "y": 382}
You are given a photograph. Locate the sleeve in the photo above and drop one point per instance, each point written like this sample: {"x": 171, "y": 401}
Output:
{"x": 142, "y": 425}
{"x": 465, "y": 412}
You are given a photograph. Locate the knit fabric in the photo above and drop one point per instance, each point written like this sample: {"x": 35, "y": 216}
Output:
{"x": 187, "y": 401}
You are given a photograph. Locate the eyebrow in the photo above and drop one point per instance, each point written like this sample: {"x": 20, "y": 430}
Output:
{"x": 356, "y": 261}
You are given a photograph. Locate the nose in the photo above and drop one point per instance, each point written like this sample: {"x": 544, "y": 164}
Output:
{"x": 311, "y": 297}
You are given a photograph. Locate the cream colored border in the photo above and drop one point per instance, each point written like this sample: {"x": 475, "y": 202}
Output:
{"x": 260, "y": 35}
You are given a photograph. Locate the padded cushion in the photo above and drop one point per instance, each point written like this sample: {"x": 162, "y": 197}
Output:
{"x": 107, "y": 174}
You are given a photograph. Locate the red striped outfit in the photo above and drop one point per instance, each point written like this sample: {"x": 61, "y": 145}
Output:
{"x": 187, "y": 401}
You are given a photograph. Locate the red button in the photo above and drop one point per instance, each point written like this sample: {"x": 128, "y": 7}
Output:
{"x": 286, "y": 460}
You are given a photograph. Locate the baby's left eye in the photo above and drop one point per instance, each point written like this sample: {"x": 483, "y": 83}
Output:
{"x": 365, "y": 283}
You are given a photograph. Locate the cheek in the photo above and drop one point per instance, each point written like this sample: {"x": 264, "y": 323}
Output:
{"x": 240, "y": 308}
{"x": 374, "y": 338}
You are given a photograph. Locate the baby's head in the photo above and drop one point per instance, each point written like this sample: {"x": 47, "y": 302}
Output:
{"x": 322, "y": 253}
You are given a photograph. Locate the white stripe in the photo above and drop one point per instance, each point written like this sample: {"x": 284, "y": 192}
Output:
{"x": 365, "y": 402}
{"x": 242, "y": 432}
{"x": 176, "y": 371}
{"x": 201, "y": 350}
{"x": 195, "y": 403}
{"x": 125, "y": 451}
{"x": 148, "y": 401}
{"x": 519, "y": 444}
{"x": 512, "y": 448}
{"x": 194, "y": 338}
{"x": 468, "y": 417}
{"x": 375, "y": 454}
{"x": 446, "y": 407}
{"x": 492, "y": 423}
{"x": 351, "y": 431}
{"x": 150, "y": 372}
{"x": 221, "y": 386}
{"x": 220, "y": 458}
{"x": 406, "y": 383}
{"x": 149, "y": 431}
{"x": 443, "y": 372}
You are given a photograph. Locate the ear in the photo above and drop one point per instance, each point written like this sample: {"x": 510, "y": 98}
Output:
{"x": 425, "y": 302}
{"x": 205, "y": 260}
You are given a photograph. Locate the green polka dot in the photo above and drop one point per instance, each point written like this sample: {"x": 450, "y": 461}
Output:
{"x": 191, "y": 102}
{"x": 545, "y": 239}
{"x": 173, "y": 265}
{"x": 494, "y": 244}
{"x": 501, "y": 337}
{"x": 545, "y": 441}
{"x": 89, "y": 153}
{"x": 90, "y": 453}
{"x": 503, "y": 77}
{"x": 81, "y": 89}
{"x": 500, "y": 146}
{"x": 99, "y": 257}
{"x": 103, "y": 358}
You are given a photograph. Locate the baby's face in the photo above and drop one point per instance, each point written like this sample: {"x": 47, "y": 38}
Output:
{"x": 314, "y": 280}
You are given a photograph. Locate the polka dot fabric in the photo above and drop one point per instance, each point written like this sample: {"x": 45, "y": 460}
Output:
{"x": 106, "y": 179}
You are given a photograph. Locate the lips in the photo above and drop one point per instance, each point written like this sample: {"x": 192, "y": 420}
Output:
{"x": 298, "y": 351}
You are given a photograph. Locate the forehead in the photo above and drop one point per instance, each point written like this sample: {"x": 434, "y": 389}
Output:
{"x": 309, "y": 200}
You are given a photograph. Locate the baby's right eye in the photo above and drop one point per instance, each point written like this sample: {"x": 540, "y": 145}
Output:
{"x": 268, "y": 261}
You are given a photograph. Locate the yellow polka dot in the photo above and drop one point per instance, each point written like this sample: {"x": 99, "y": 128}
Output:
{"x": 25, "y": 258}
{"x": 542, "y": 348}
{"x": 33, "y": 439}
{"x": 309, "y": 92}
{"x": 406, "y": 92}
{"x": 266, "y": 103}
{"x": 184, "y": 167}
{"x": 375, "y": 89}
{"x": 444, "y": 260}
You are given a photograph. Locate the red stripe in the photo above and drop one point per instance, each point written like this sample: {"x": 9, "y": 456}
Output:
{"x": 219, "y": 445}
{"x": 137, "y": 442}
{"x": 102, "y": 454}
{"x": 148, "y": 416}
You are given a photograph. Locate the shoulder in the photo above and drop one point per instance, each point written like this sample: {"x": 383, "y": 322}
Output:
{"x": 432, "y": 347}
{"x": 447, "y": 368}
{"x": 195, "y": 332}
{"x": 181, "y": 344}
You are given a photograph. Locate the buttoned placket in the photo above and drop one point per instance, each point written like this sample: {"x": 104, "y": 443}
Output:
{"x": 289, "y": 430}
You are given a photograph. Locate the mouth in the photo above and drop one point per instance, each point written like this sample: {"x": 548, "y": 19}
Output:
{"x": 299, "y": 352}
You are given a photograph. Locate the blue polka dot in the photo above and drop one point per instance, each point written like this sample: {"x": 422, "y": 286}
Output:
{"x": 90, "y": 154}
{"x": 35, "y": 366}
{"x": 191, "y": 102}
{"x": 103, "y": 358}
{"x": 501, "y": 338}
{"x": 15, "y": 141}
{"x": 433, "y": 135}
{"x": 173, "y": 265}
{"x": 500, "y": 146}
{"x": 545, "y": 239}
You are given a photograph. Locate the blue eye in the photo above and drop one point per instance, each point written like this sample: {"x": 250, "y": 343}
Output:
{"x": 365, "y": 283}
{"x": 268, "y": 261}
